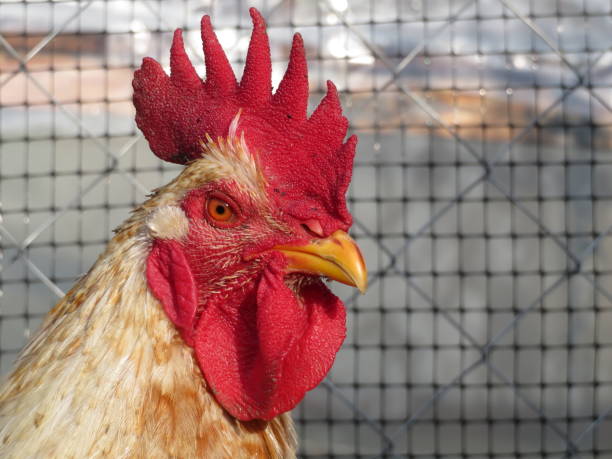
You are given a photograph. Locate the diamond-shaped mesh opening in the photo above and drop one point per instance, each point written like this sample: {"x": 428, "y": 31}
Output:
{"x": 481, "y": 197}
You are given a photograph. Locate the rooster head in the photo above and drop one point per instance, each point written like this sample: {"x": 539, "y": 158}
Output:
{"x": 257, "y": 216}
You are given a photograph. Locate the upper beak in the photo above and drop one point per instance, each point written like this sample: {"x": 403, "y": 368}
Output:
{"x": 337, "y": 257}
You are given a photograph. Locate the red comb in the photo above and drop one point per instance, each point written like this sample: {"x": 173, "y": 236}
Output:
{"x": 305, "y": 161}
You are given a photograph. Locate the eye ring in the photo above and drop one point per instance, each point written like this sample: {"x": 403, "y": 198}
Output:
{"x": 221, "y": 210}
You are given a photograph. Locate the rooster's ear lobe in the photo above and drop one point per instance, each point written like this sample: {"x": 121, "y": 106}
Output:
{"x": 168, "y": 222}
{"x": 170, "y": 280}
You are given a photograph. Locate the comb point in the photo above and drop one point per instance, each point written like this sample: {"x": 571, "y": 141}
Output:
{"x": 181, "y": 68}
{"x": 219, "y": 73}
{"x": 255, "y": 86}
{"x": 292, "y": 92}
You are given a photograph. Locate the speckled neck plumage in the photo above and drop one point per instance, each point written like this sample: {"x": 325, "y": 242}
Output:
{"x": 109, "y": 375}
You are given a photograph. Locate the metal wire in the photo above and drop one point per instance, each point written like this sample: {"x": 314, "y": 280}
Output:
{"x": 460, "y": 348}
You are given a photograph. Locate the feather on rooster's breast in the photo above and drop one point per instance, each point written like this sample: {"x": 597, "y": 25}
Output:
{"x": 205, "y": 320}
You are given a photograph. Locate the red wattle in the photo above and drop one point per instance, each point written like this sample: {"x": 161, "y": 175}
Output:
{"x": 260, "y": 354}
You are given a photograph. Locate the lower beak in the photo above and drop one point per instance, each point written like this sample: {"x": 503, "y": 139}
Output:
{"x": 337, "y": 257}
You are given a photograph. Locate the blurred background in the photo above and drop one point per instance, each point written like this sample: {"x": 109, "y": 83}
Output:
{"x": 482, "y": 198}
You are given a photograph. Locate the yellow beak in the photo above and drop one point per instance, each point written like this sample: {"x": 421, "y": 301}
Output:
{"x": 337, "y": 257}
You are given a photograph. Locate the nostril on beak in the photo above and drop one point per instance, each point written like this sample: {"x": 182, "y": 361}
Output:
{"x": 313, "y": 226}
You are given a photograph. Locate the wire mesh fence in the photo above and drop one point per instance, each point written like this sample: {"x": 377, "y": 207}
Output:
{"x": 482, "y": 199}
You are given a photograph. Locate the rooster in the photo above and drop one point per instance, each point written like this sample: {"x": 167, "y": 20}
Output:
{"x": 205, "y": 320}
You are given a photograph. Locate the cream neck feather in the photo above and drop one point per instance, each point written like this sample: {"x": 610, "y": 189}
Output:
{"x": 108, "y": 375}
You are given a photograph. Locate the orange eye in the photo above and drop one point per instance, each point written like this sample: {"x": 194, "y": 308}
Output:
{"x": 219, "y": 210}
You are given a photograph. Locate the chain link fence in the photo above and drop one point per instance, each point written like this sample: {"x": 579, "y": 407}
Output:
{"x": 482, "y": 198}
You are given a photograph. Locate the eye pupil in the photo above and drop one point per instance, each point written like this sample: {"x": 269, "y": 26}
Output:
{"x": 219, "y": 210}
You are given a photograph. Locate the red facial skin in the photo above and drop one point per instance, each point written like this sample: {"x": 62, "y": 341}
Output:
{"x": 261, "y": 338}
